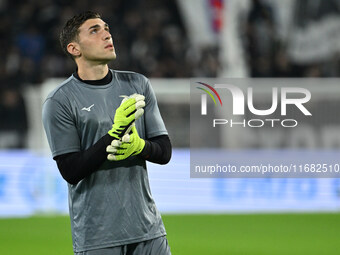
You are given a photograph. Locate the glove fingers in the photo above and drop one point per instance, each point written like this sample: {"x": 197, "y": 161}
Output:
{"x": 127, "y": 103}
{"x": 116, "y": 147}
{"x": 115, "y": 131}
{"x": 117, "y": 150}
{"x": 140, "y": 104}
{"x": 134, "y": 95}
{"x": 131, "y": 145}
{"x": 131, "y": 108}
{"x": 113, "y": 157}
{"x": 128, "y": 130}
{"x": 111, "y": 149}
{"x": 116, "y": 143}
{"x": 139, "y": 113}
{"x": 128, "y": 110}
{"x": 130, "y": 119}
{"x": 138, "y": 97}
{"x": 126, "y": 138}
{"x": 134, "y": 130}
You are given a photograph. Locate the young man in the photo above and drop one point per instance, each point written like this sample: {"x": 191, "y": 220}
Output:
{"x": 100, "y": 145}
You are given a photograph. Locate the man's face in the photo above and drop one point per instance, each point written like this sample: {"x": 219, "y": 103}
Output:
{"x": 95, "y": 41}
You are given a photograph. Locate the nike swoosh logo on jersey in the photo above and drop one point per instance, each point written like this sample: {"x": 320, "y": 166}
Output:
{"x": 87, "y": 108}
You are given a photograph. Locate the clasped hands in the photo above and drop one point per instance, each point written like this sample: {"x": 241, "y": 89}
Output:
{"x": 126, "y": 141}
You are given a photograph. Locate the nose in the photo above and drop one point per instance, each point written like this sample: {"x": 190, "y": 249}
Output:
{"x": 107, "y": 35}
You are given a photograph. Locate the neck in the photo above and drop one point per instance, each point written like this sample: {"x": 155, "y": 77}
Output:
{"x": 92, "y": 72}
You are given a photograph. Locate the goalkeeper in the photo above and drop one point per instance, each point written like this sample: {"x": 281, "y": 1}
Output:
{"x": 100, "y": 143}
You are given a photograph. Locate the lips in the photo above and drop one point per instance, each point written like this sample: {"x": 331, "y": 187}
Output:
{"x": 109, "y": 46}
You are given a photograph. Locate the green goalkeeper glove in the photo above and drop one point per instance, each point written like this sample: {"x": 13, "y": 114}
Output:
{"x": 130, "y": 145}
{"x": 126, "y": 114}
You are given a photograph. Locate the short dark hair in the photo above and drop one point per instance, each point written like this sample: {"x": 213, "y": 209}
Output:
{"x": 70, "y": 31}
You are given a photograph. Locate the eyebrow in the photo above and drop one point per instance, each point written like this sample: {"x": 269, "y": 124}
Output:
{"x": 97, "y": 26}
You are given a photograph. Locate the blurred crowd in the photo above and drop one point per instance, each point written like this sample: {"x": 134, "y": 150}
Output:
{"x": 267, "y": 52}
{"x": 148, "y": 35}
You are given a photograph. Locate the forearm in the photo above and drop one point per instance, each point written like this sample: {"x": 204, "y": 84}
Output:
{"x": 157, "y": 150}
{"x": 77, "y": 165}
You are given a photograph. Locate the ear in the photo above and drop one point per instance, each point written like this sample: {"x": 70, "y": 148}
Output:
{"x": 74, "y": 49}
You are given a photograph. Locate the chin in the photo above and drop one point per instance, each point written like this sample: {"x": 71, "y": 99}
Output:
{"x": 112, "y": 57}
{"x": 107, "y": 59}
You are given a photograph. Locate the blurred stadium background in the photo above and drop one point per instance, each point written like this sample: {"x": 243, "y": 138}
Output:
{"x": 170, "y": 42}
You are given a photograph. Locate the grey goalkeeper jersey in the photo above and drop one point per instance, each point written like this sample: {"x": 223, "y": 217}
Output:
{"x": 113, "y": 206}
